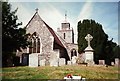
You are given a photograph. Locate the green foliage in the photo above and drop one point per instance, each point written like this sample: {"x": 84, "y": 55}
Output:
{"x": 103, "y": 48}
{"x": 116, "y": 51}
{"x": 111, "y": 51}
{"x": 12, "y": 37}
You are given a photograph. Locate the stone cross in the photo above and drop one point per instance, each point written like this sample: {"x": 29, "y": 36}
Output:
{"x": 88, "y": 38}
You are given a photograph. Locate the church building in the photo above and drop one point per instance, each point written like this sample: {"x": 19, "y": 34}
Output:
{"x": 46, "y": 44}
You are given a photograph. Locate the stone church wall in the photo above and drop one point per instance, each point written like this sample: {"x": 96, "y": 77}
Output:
{"x": 50, "y": 47}
{"x": 68, "y": 35}
{"x": 38, "y": 26}
{"x": 71, "y": 47}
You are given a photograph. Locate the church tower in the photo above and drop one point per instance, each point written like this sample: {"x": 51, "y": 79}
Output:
{"x": 66, "y": 32}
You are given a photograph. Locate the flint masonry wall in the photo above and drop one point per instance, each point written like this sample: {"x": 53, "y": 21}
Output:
{"x": 37, "y": 25}
{"x": 70, "y": 47}
{"x": 68, "y": 35}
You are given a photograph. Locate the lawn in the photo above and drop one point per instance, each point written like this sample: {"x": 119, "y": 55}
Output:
{"x": 47, "y": 72}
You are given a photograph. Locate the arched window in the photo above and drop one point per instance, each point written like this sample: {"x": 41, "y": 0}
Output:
{"x": 34, "y": 46}
{"x": 30, "y": 47}
{"x": 73, "y": 53}
{"x": 38, "y": 45}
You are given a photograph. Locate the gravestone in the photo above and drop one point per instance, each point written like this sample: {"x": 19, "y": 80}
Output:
{"x": 116, "y": 61}
{"x": 25, "y": 59}
{"x": 112, "y": 63}
{"x": 54, "y": 62}
{"x": 68, "y": 62}
{"x": 74, "y": 58}
{"x": 61, "y": 61}
{"x": 101, "y": 62}
{"x": 82, "y": 58}
{"x": 42, "y": 62}
{"x": 33, "y": 60}
{"x": 89, "y": 51}
{"x": 54, "y": 58}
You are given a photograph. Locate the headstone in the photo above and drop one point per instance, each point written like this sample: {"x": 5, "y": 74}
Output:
{"x": 89, "y": 51}
{"x": 33, "y": 60}
{"x": 116, "y": 61}
{"x": 68, "y": 62}
{"x": 25, "y": 58}
{"x": 89, "y": 57}
{"x": 74, "y": 58}
{"x": 101, "y": 62}
{"x": 112, "y": 63}
{"x": 42, "y": 62}
{"x": 82, "y": 58}
{"x": 54, "y": 58}
{"x": 54, "y": 62}
{"x": 61, "y": 61}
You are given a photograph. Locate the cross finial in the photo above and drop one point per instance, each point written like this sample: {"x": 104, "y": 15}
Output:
{"x": 88, "y": 38}
{"x": 36, "y": 9}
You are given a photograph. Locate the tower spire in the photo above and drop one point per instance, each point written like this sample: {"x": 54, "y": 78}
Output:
{"x": 65, "y": 16}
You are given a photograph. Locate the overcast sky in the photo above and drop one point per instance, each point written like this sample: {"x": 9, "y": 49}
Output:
{"x": 105, "y": 13}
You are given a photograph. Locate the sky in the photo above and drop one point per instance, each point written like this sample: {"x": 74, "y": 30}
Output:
{"x": 53, "y": 13}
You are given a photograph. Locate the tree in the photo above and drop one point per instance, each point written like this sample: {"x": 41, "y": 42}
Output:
{"x": 99, "y": 38}
{"x": 112, "y": 51}
{"x": 103, "y": 48}
{"x": 12, "y": 37}
{"x": 116, "y": 51}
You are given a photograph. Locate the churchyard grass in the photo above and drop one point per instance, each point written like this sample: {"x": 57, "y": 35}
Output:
{"x": 48, "y": 72}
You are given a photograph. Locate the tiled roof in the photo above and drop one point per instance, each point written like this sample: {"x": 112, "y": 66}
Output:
{"x": 54, "y": 35}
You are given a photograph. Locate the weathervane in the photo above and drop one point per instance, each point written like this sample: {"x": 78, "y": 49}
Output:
{"x": 66, "y": 16}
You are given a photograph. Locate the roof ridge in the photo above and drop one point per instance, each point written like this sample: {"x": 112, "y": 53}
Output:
{"x": 31, "y": 19}
{"x": 57, "y": 40}
{"x": 54, "y": 34}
